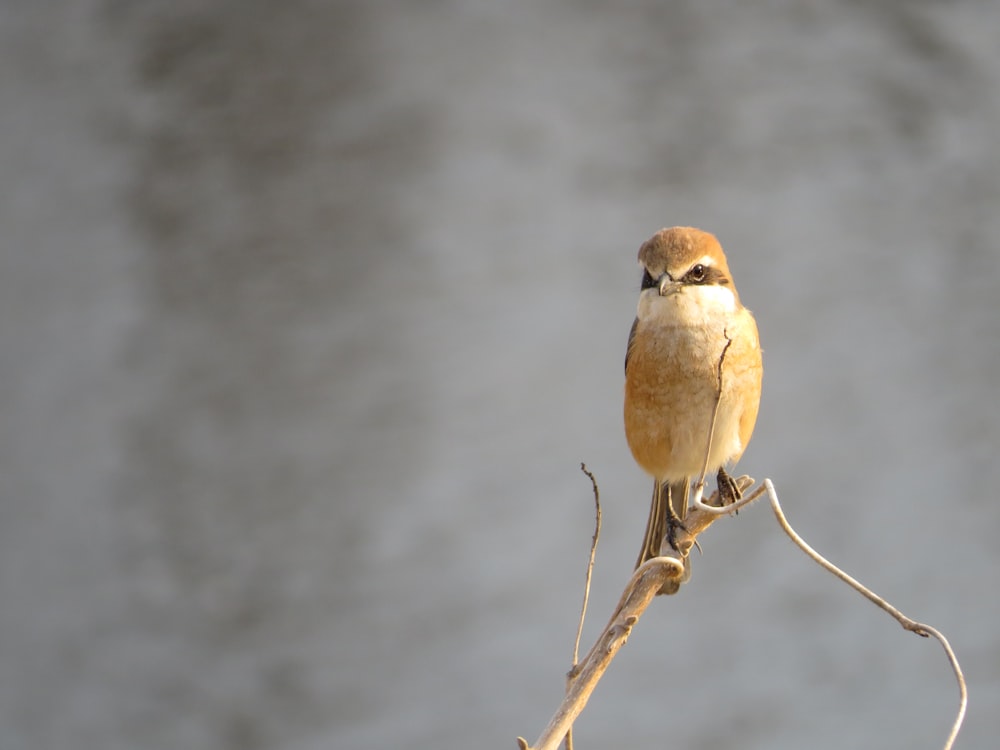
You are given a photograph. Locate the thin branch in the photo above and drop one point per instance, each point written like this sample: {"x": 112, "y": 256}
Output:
{"x": 646, "y": 582}
{"x": 639, "y": 592}
{"x": 590, "y": 562}
{"x": 571, "y": 675}
{"x": 908, "y": 624}
{"x": 700, "y": 487}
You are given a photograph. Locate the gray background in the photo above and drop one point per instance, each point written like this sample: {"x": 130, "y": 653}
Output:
{"x": 310, "y": 310}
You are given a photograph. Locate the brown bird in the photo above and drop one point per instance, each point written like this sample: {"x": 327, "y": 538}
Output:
{"x": 689, "y": 320}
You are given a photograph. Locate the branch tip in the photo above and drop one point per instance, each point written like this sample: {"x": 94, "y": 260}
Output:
{"x": 908, "y": 624}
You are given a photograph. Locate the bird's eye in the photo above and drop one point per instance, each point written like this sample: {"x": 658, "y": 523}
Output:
{"x": 647, "y": 279}
{"x": 697, "y": 273}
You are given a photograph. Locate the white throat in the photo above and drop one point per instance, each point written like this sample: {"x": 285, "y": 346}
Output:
{"x": 692, "y": 305}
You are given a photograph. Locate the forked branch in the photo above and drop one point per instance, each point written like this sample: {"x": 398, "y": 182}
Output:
{"x": 647, "y": 580}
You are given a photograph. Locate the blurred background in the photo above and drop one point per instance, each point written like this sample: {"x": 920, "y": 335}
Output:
{"x": 309, "y": 312}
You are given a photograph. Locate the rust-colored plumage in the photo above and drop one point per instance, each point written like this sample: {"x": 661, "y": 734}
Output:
{"x": 689, "y": 321}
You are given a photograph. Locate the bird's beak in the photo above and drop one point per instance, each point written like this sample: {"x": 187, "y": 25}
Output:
{"x": 668, "y": 286}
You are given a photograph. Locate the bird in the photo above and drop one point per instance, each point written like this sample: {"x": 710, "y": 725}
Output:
{"x": 692, "y": 345}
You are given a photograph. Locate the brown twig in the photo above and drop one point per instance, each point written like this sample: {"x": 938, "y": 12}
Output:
{"x": 590, "y": 562}
{"x": 647, "y": 580}
{"x": 700, "y": 487}
{"x": 571, "y": 675}
{"x": 639, "y": 592}
{"x": 908, "y": 624}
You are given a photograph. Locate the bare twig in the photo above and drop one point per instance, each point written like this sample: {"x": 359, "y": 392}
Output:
{"x": 642, "y": 588}
{"x": 590, "y": 562}
{"x": 908, "y": 624}
{"x": 571, "y": 675}
{"x": 647, "y": 580}
{"x": 700, "y": 487}
{"x": 639, "y": 592}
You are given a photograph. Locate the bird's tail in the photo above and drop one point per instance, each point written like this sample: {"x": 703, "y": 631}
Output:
{"x": 668, "y": 500}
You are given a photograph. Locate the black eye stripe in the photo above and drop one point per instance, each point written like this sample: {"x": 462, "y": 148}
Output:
{"x": 701, "y": 274}
{"x": 698, "y": 274}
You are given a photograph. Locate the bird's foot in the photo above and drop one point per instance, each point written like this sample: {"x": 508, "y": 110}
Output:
{"x": 678, "y": 536}
{"x": 680, "y": 540}
{"x": 729, "y": 490}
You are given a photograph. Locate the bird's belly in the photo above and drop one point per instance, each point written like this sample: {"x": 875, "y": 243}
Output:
{"x": 670, "y": 396}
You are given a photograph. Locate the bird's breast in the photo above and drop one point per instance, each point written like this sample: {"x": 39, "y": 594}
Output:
{"x": 671, "y": 385}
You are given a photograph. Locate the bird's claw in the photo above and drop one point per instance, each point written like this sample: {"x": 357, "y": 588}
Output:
{"x": 729, "y": 489}
{"x": 678, "y": 536}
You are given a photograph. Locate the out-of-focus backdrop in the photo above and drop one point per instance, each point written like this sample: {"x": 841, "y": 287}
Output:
{"x": 309, "y": 312}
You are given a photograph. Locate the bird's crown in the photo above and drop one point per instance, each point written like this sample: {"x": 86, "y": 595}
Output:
{"x": 676, "y": 250}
